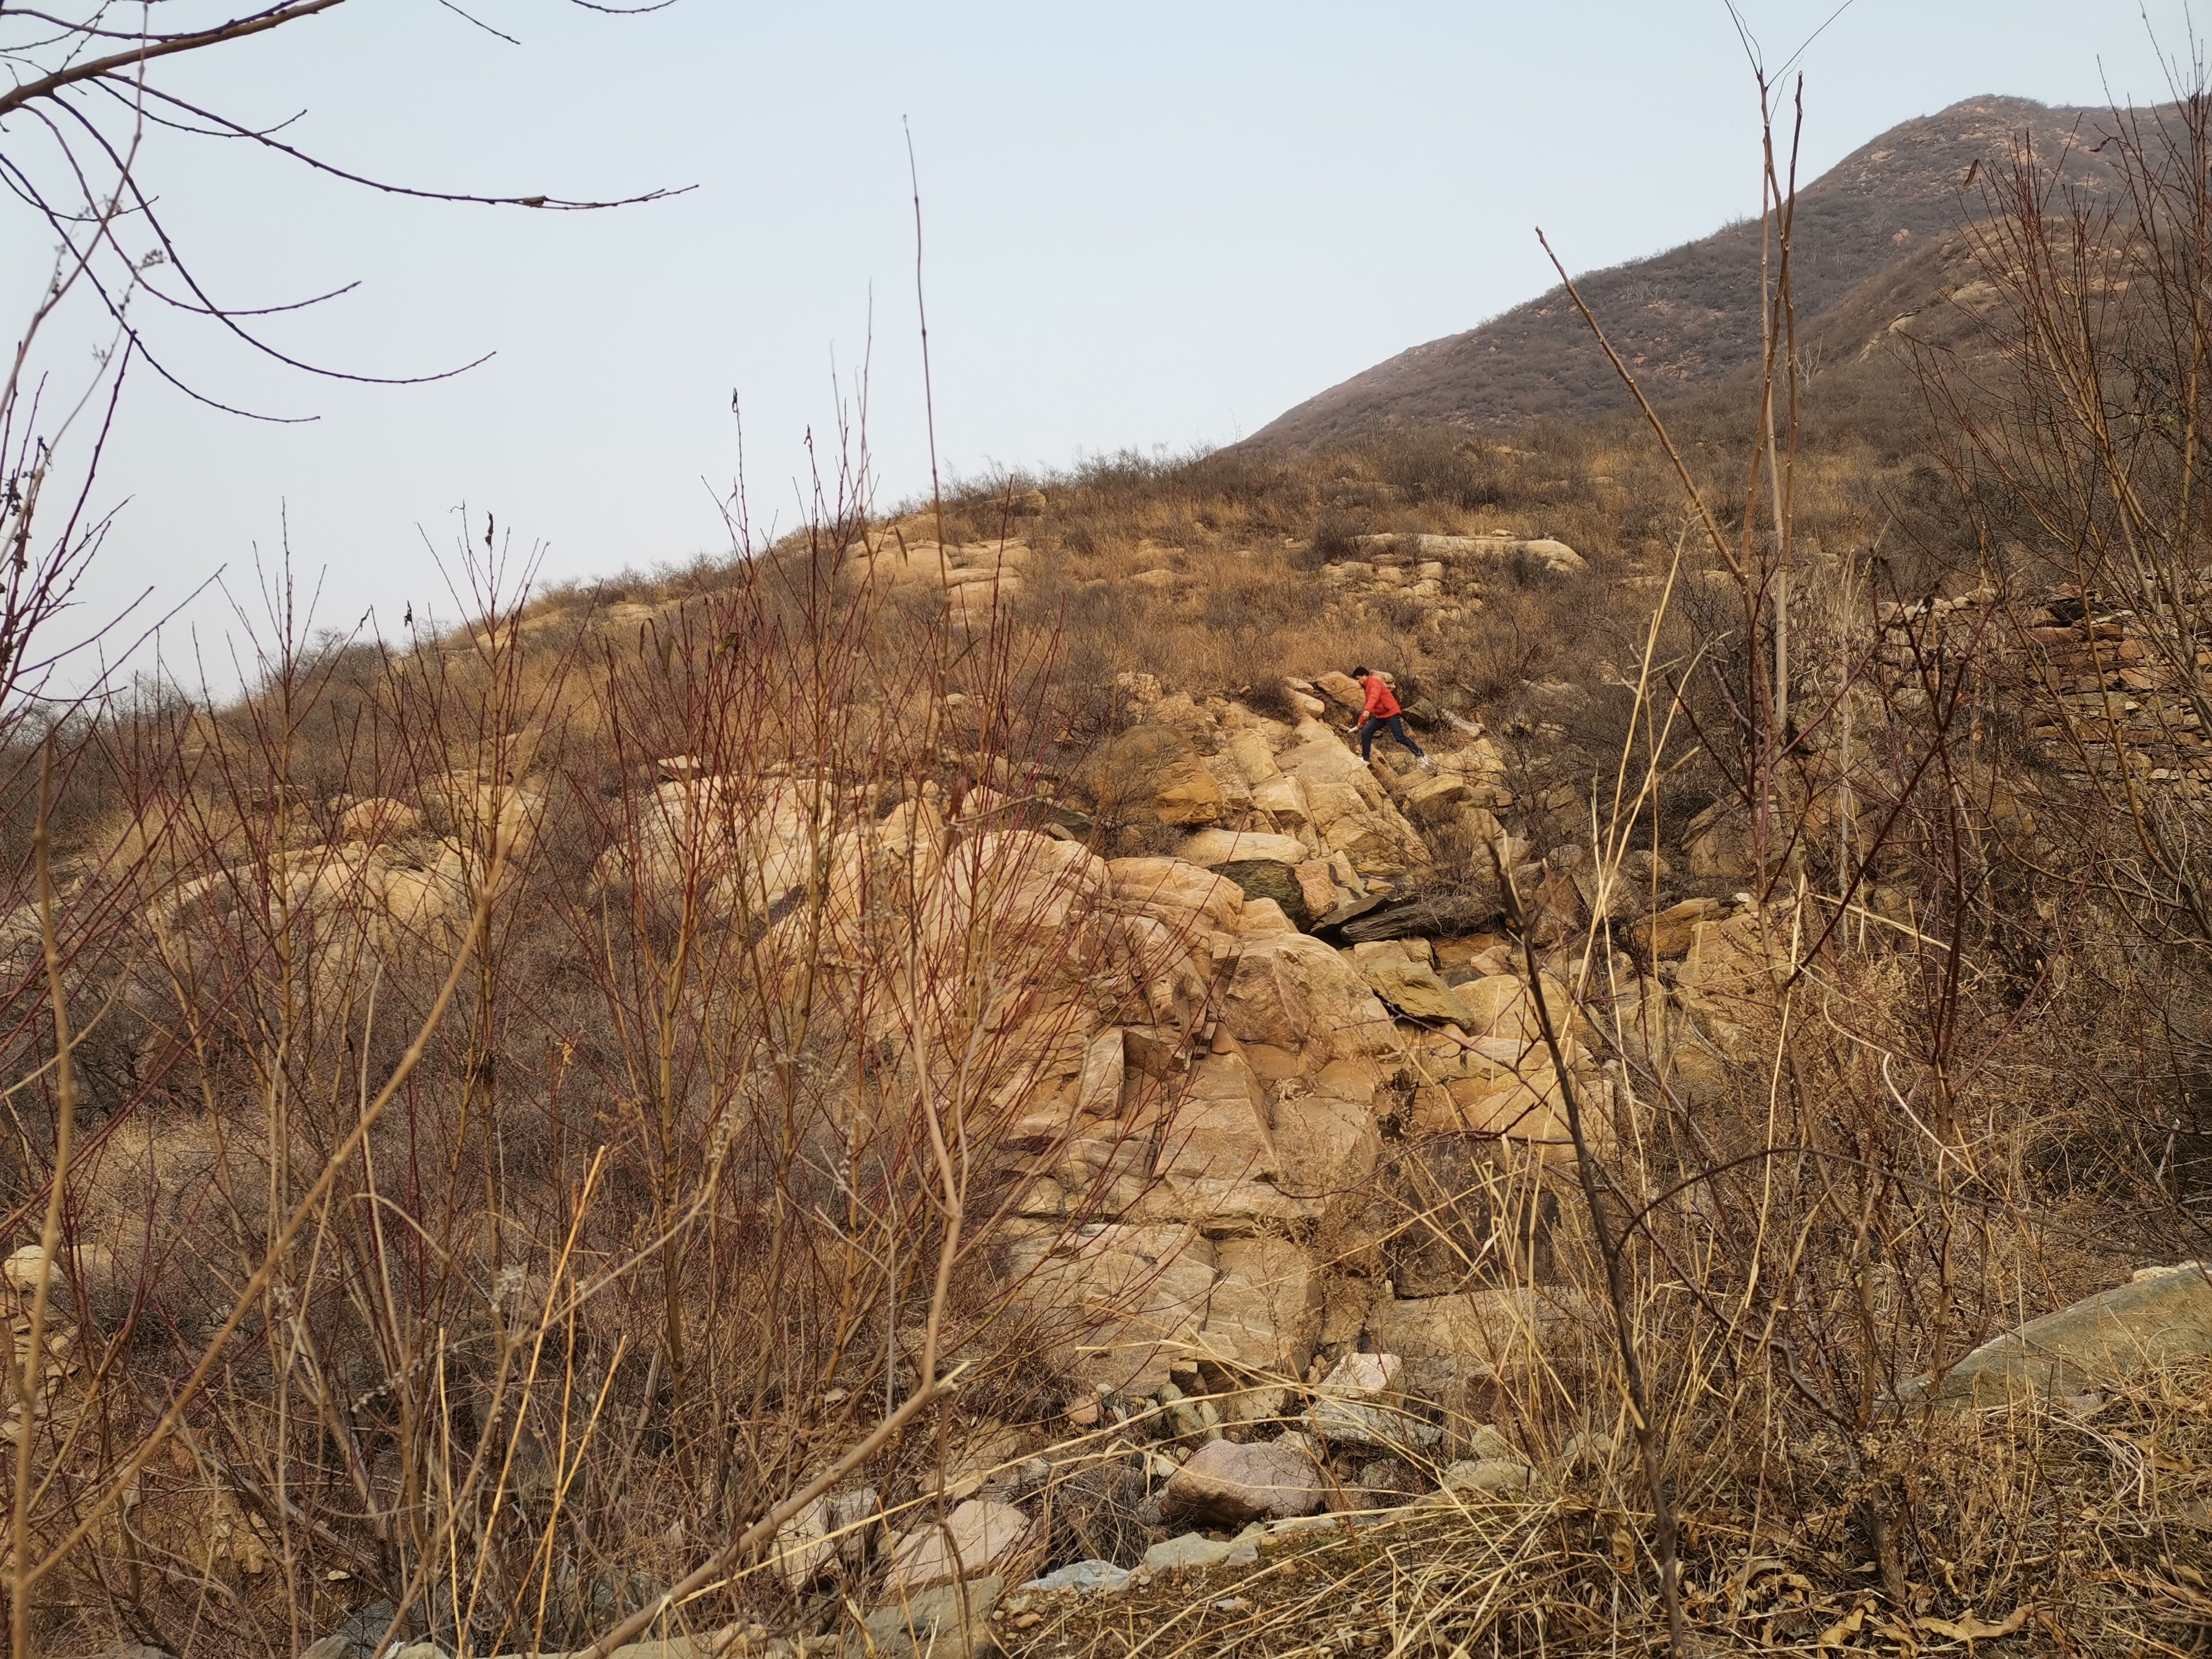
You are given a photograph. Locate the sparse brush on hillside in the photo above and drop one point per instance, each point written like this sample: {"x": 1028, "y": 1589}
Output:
{"x": 527, "y": 1141}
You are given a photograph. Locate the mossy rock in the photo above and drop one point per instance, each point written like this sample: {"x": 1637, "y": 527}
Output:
{"x": 1265, "y": 878}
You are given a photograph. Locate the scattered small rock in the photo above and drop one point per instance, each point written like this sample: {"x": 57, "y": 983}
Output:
{"x": 1357, "y": 1405}
{"x": 1087, "y": 1577}
{"x": 1488, "y": 1477}
{"x": 1586, "y": 1451}
{"x": 1191, "y": 1551}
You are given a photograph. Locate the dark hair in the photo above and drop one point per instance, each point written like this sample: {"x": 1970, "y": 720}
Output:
{"x": 1360, "y": 673}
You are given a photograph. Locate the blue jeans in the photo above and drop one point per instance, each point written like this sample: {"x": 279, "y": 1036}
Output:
{"x": 1395, "y": 725}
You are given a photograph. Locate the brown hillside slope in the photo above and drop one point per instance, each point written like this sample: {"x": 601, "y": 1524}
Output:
{"x": 1687, "y": 318}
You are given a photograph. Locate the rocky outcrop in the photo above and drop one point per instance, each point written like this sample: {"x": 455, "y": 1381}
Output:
{"x": 1555, "y": 557}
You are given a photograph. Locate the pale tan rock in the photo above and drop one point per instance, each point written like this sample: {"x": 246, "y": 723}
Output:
{"x": 1487, "y": 1477}
{"x": 1499, "y": 1006}
{"x": 1410, "y": 987}
{"x": 1128, "y": 1300}
{"x": 1216, "y": 1159}
{"x": 1485, "y": 1334}
{"x": 982, "y": 803}
{"x": 1292, "y": 990}
{"x": 828, "y": 1529}
{"x": 1530, "y": 1114}
{"x": 1341, "y": 690}
{"x": 1153, "y": 770}
{"x": 1485, "y": 1443}
{"x": 1254, "y": 754}
{"x": 378, "y": 819}
{"x": 1325, "y": 1135}
{"x": 1099, "y": 1094}
{"x": 1213, "y": 848}
{"x": 1670, "y": 933}
{"x": 987, "y": 1452}
{"x": 1725, "y": 982}
{"x": 1228, "y": 1485}
{"x": 1265, "y": 1312}
{"x": 1435, "y": 796}
{"x": 1359, "y": 1403}
{"x": 1306, "y": 704}
{"x": 1718, "y": 843}
{"x": 1318, "y": 883}
{"x": 979, "y": 1539}
{"x": 1179, "y": 894}
{"x": 1283, "y": 799}
{"x": 1543, "y": 551}
{"x": 1264, "y": 916}
{"x": 1361, "y": 1377}
{"x": 1349, "y": 809}
{"x": 2160, "y": 1318}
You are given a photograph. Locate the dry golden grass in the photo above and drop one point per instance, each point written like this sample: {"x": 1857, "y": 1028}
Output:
{"x": 2065, "y": 1532}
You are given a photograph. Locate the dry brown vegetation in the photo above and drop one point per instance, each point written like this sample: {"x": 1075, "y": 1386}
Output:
{"x": 496, "y": 1127}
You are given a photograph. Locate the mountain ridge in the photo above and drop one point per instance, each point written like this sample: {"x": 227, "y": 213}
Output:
{"x": 1687, "y": 318}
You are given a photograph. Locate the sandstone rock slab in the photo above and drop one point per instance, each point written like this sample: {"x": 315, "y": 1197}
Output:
{"x": 979, "y": 1539}
{"x": 1412, "y": 988}
{"x": 1229, "y": 1485}
{"x": 948, "y": 1622}
{"x": 1193, "y": 1551}
{"x": 1211, "y": 848}
{"x": 1265, "y": 1310}
{"x": 2160, "y": 1317}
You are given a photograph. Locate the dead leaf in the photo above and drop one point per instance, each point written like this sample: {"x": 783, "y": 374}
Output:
{"x": 1968, "y": 1628}
{"x": 1849, "y": 1625}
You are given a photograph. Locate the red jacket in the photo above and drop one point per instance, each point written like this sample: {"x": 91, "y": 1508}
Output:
{"x": 1381, "y": 705}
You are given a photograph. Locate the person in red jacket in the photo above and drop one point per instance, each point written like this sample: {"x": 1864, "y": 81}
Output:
{"x": 1382, "y": 711}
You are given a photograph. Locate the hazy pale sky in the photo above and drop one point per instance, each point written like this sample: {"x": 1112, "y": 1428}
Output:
{"x": 1147, "y": 224}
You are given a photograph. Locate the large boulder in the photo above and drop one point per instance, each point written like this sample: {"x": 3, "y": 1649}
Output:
{"x": 1264, "y": 1315}
{"x": 1341, "y": 690}
{"x": 1292, "y": 990}
{"x": 1227, "y": 1484}
{"x": 2162, "y": 1317}
{"x": 1326, "y": 1134}
{"x": 1412, "y": 988}
{"x": 1718, "y": 843}
{"x": 378, "y": 819}
{"x": 1436, "y": 797}
{"x": 1350, "y": 811}
{"x": 1126, "y": 1301}
{"x": 1726, "y": 980}
{"x": 1185, "y": 897}
{"x": 1215, "y": 848}
{"x": 1153, "y": 771}
{"x": 1277, "y": 884}
{"x": 1217, "y": 1160}
{"x": 1670, "y": 933}
{"x": 1499, "y": 1006}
